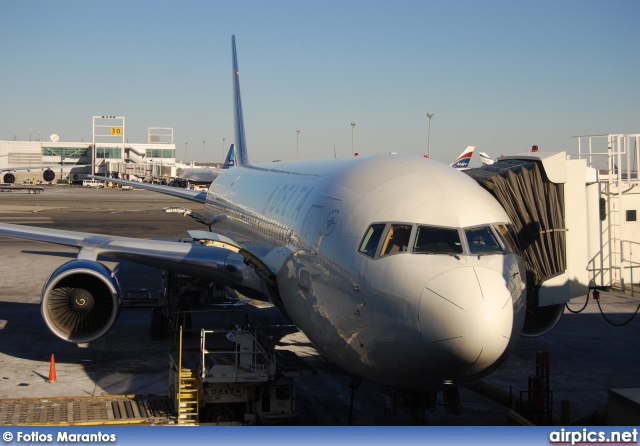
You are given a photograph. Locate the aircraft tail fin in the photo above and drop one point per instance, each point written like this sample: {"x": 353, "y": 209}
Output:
{"x": 242, "y": 156}
{"x": 462, "y": 162}
{"x": 230, "y": 160}
{"x": 486, "y": 159}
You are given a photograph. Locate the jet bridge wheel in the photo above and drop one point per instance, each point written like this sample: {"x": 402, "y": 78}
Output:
{"x": 219, "y": 413}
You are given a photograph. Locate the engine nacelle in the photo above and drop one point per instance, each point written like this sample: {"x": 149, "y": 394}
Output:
{"x": 81, "y": 301}
{"x": 9, "y": 178}
{"x": 541, "y": 320}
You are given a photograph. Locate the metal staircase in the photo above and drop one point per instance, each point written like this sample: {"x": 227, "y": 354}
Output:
{"x": 617, "y": 158}
{"x": 187, "y": 393}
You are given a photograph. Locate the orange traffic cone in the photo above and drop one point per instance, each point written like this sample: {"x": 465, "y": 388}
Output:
{"x": 52, "y": 370}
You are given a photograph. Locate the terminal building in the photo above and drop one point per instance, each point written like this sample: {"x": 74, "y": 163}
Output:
{"x": 108, "y": 154}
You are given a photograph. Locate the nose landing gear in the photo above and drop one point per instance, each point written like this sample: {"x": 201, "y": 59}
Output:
{"x": 419, "y": 404}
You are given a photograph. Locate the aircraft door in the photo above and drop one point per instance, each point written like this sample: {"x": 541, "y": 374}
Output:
{"x": 310, "y": 232}
{"x": 310, "y": 238}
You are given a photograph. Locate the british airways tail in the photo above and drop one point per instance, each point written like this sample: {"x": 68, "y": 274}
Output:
{"x": 462, "y": 162}
{"x": 242, "y": 157}
{"x": 230, "y": 160}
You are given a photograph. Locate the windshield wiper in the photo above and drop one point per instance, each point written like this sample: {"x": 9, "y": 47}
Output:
{"x": 440, "y": 253}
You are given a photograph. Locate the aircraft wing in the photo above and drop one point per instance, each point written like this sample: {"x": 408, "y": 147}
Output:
{"x": 42, "y": 167}
{"x": 217, "y": 264}
{"x": 27, "y": 168}
{"x": 200, "y": 175}
{"x": 192, "y": 195}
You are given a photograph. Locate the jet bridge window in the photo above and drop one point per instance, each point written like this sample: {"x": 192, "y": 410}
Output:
{"x": 481, "y": 240}
{"x": 371, "y": 239}
{"x": 397, "y": 239}
{"x": 433, "y": 240}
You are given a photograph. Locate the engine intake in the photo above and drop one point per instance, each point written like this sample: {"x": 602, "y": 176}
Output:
{"x": 81, "y": 301}
{"x": 49, "y": 175}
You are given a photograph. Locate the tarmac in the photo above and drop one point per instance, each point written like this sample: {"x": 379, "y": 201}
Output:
{"x": 588, "y": 355}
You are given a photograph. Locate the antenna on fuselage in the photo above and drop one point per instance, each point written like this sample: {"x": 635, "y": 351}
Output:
{"x": 241, "y": 143}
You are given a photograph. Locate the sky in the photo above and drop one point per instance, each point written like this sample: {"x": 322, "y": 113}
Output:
{"x": 500, "y": 75}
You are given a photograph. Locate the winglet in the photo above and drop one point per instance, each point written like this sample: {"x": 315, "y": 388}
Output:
{"x": 230, "y": 160}
{"x": 241, "y": 143}
{"x": 462, "y": 162}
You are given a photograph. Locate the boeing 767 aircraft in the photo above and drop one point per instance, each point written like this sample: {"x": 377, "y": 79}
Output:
{"x": 398, "y": 268}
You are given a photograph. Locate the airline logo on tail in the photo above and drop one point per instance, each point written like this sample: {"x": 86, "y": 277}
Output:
{"x": 486, "y": 159}
{"x": 230, "y": 161}
{"x": 462, "y": 162}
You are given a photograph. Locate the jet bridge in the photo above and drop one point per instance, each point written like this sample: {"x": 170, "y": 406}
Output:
{"x": 536, "y": 208}
{"x": 532, "y": 191}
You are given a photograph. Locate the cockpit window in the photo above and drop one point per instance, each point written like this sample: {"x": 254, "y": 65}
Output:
{"x": 371, "y": 239}
{"x": 481, "y": 240}
{"x": 432, "y": 240}
{"x": 397, "y": 239}
{"x": 508, "y": 237}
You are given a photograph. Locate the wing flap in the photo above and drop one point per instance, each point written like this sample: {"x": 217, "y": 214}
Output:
{"x": 214, "y": 264}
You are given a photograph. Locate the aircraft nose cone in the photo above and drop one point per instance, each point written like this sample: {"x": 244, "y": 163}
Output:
{"x": 466, "y": 319}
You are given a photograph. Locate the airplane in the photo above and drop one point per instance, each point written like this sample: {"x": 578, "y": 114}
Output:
{"x": 9, "y": 178}
{"x": 462, "y": 162}
{"x": 206, "y": 175}
{"x": 397, "y": 268}
{"x": 47, "y": 171}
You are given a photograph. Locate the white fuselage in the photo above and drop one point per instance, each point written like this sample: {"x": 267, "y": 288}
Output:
{"x": 410, "y": 320}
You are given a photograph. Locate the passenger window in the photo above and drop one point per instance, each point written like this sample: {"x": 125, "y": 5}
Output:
{"x": 371, "y": 239}
{"x": 397, "y": 239}
{"x": 432, "y": 240}
{"x": 481, "y": 240}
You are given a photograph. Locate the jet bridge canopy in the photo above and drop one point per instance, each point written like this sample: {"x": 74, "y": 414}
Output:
{"x": 535, "y": 206}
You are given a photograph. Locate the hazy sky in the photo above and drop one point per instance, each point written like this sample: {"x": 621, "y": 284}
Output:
{"x": 500, "y": 75}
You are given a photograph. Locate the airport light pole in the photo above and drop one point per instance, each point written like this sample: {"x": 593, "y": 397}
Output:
{"x": 429, "y": 115}
{"x": 223, "y": 160}
{"x": 186, "y": 148}
{"x": 203, "y": 153}
{"x": 297, "y": 143}
{"x": 353, "y": 125}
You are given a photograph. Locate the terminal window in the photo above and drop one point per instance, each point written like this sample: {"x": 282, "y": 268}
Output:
{"x": 67, "y": 152}
{"x": 161, "y": 153}
{"x": 108, "y": 152}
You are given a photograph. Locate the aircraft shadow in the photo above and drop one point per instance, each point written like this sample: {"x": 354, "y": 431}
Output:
{"x": 70, "y": 255}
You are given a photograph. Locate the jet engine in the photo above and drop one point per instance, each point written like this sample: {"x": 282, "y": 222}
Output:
{"x": 9, "y": 178}
{"x": 541, "y": 320}
{"x": 81, "y": 301}
{"x": 49, "y": 175}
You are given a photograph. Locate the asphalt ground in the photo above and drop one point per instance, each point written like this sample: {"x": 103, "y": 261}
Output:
{"x": 588, "y": 355}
